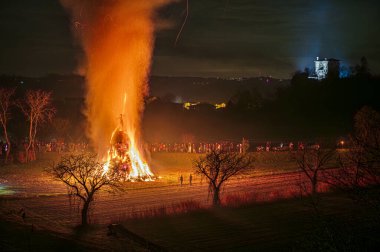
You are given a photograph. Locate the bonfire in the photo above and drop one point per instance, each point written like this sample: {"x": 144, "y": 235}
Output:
{"x": 124, "y": 157}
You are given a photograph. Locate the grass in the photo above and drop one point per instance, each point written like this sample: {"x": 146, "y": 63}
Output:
{"x": 278, "y": 226}
{"x": 170, "y": 165}
{"x": 173, "y": 164}
{"x": 44, "y": 160}
{"x": 16, "y": 237}
{"x": 161, "y": 211}
{"x": 189, "y": 226}
{"x": 274, "y": 162}
{"x": 283, "y": 225}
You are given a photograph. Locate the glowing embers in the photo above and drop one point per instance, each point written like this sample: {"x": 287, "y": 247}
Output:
{"x": 124, "y": 157}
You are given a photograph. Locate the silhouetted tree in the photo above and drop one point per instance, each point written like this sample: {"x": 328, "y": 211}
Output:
{"x": 345, "y": 72}
{"x": 361, "y": 164}
{"x": 307, "y": 71}
{"x": 218, "y": 166}
{"x": 311, "y": 162}
{"x": 300, "y": 76}
{"x": 6, "y": 103}
{"x": 363, "y": 70}
{"x": 37, "y": 107}
{"x": 359, "y": 173}
{"x": 84, "y": 176}
{"x": 246, "y": 100}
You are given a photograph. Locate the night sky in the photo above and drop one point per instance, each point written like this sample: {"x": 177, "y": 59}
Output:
{"x": 220, "y": 38}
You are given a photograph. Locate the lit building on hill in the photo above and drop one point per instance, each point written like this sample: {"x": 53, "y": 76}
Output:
{"x": 326, "y": 68}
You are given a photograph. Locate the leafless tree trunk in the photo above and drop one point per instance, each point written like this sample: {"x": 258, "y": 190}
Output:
{"x": 311, "y": 162}
{"x": 219, "y": 166}
{"x": 216, "y": 196}
{"x": 5, "y": 104}
{"x": 38, "y": 109}
{"x": 85, "y": 176}
{"x": 86, "y": 207}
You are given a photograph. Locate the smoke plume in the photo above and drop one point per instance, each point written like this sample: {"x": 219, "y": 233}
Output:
{"x": 117, "y": 39}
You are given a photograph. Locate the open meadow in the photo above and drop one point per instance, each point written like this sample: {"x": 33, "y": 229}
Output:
{"x": 180, "y": 125}
{"x": 29, "y": 189}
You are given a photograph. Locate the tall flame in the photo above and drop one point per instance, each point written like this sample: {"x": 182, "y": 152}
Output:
{"x": 117, "y": 40}
{"x": 124, "y": 155}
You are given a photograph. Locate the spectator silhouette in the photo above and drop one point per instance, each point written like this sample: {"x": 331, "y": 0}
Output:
{"x": 181, "y": 179}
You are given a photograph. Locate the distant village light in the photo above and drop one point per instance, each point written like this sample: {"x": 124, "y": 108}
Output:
{"x": 219, "y": 106}
{"x": 188, "y": 105}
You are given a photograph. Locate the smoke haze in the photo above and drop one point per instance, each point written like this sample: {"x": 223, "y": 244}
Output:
{"x": 117, "y": 39}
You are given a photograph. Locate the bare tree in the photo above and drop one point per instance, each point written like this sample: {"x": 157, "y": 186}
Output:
{"x": 85, "y": 176}
{"x": 360, "y": 165}
{"x": 219, "y": 166}
{"x": 38, "y": 109}
{"x": 365, "y": 151}
{"x": 311, "y": 162}
{"x": 6, "y": 103}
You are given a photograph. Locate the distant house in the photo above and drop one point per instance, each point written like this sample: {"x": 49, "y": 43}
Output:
{"x": 326, "y": 68}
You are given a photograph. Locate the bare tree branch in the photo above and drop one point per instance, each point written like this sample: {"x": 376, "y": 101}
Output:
{"x": 37, "y": 108}
{"x": 85, "y": 175}
{"x": 359, "y": 169}
{"x": 311, "y": 162}
{"x": 6, "y": 102}
{"x": 219, "y": 166}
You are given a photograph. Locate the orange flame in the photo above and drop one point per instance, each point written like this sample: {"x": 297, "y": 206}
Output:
{"x": 117, "y": 39}
{"x": 139, "y": 170}
{"x": 124, "y": 155}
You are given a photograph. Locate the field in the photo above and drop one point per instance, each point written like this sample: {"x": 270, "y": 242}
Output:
{"x": 30, "y": 183}
{"x": 285, "y": 225}
{"x": 163, "y": 211}
{"x": 173, "y": 164}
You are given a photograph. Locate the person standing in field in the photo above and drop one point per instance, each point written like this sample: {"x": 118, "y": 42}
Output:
{"x": 191, "y": 179}
{"x": 181, "y": 179}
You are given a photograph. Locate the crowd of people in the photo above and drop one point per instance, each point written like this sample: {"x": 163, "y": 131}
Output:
{"x": 20, "y": 154}
{"x": 58, "y": 146}
{"x": 61, "y": 146}
{"x": 241, "y": 147}
{"x": 268, "y": 146}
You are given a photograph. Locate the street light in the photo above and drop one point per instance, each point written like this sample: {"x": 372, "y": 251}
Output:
{"x": 341, "y": 144}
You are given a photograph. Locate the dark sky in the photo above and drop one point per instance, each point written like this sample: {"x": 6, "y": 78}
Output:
{"x": 221, "y": 37}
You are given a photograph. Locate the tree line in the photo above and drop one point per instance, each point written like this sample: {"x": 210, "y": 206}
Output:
{"x": 37, "y": 108}
{"x": 304, "y": 109}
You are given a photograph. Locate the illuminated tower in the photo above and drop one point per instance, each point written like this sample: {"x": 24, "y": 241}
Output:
{"x": 326, "y": 67}
{"x": 321, "y": 68}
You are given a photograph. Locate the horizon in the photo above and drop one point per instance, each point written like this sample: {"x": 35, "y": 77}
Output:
{"x": 226, "y": 39}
